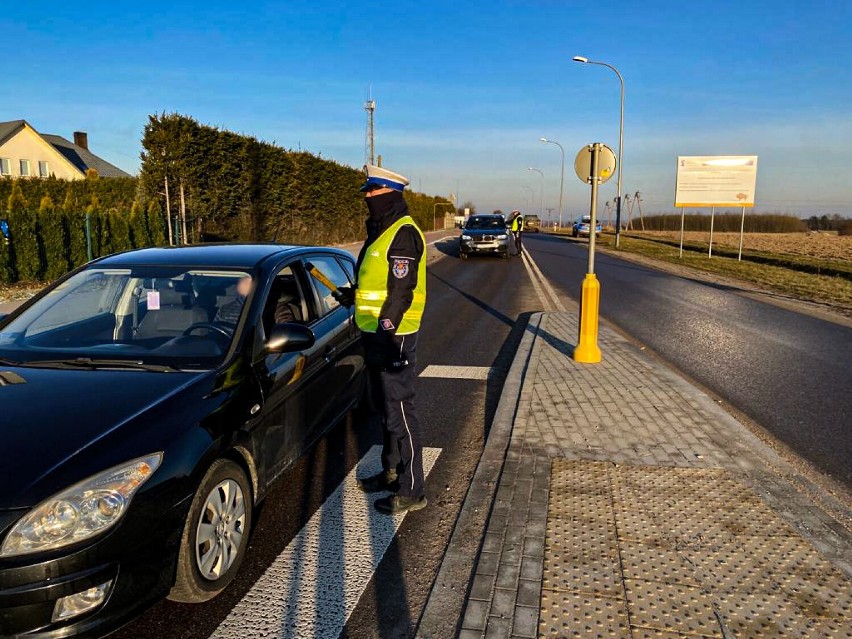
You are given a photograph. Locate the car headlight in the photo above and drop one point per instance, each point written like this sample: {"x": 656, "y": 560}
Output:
{"x": 82, "y": 511}
{"x": 465, "y": 237}
{"x": 503, "y": 237}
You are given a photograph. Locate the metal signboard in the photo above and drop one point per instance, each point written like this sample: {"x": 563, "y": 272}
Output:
{"x": 716, "y": 180}
{"x": 606, "y": 164}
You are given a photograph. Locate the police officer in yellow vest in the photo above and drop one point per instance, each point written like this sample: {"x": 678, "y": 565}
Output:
{"x": 517, "y": 229}
{"x": 389, "y": 298}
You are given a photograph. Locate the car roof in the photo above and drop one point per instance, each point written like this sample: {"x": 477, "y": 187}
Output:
{"x": 245, "y": 256}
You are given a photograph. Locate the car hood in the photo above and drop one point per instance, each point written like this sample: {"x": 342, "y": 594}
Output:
{"x": 47, "y": 416}
{"x": 483, "y": 231}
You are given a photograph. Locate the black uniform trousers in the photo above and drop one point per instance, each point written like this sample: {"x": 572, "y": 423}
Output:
{"x": 393, "y": 392}
{"x": 519, "y": 242}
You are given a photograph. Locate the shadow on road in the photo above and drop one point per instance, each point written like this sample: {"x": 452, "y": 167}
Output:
{"x": 293, "y": 500}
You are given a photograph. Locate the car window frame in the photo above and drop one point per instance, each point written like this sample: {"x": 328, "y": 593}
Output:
{"x": 318, "y": 300}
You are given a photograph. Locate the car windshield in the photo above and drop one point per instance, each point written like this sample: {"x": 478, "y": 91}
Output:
{"x": 175, "y": 317}
{"x": 485, "y": 223}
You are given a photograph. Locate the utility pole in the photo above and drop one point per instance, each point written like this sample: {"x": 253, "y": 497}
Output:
{"x": 183, "y": 213}
{"x": 370, "y": 108}
{"x": 638, "y": 200}
{"x": 629, "y": 207}
{"x": 168, "y": 212}
{"x": 549, "y": 211}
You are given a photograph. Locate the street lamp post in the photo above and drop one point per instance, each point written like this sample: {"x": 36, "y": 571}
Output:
{"x": 541, "y": 173}
{"x": 584, "y": 60}
{"x": 561, "y": 175}
{"x": 531, "y": 198}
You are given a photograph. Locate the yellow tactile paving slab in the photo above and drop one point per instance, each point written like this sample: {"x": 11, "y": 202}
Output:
{"x": 650, "y": 551}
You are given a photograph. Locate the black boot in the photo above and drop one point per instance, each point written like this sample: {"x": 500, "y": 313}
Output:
{"x": 399, "y": 504}
{"x": 379, "y": 483}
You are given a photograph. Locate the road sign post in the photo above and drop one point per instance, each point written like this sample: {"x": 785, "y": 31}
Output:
{"x": 594, "y": 165}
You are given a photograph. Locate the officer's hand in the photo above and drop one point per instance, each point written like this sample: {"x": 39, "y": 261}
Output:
{"x": 345, "y": 295}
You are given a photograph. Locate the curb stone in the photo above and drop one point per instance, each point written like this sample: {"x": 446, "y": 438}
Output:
{"x": 441, "y": 615}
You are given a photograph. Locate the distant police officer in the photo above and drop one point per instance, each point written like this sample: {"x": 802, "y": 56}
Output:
{"x": 517, "y": 229}
{"x": 390, "y": 297}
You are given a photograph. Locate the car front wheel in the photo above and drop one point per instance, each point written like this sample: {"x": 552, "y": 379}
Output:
{"x": 215, "y": 535}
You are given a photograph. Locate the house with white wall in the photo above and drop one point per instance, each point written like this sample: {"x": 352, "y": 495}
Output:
{"x": 24, "y": 152}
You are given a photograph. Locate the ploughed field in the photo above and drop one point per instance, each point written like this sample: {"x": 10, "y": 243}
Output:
{"x": 821, "y": 245}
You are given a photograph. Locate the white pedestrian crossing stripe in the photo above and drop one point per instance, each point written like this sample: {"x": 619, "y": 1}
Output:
{"x": 457, "y": 372}
{"x": 315, "y": 583}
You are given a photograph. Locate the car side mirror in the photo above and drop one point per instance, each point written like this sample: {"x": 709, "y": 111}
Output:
{"x": 289, "y": 338}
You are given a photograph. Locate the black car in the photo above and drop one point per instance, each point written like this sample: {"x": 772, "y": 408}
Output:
{"x": 147, "y": 401}
{"x": 484, "y": 234}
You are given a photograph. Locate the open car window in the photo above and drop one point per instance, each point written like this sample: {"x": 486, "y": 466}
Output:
{"x": 329, "y": 268}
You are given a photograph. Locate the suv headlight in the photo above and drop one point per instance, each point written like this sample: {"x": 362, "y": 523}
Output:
{"x": 83, "y": 511}
{"x": 502, "y": 236}
{"x": 465, "y": 237}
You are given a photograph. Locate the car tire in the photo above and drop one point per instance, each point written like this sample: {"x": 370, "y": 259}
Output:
{"x": 200, "y": 575}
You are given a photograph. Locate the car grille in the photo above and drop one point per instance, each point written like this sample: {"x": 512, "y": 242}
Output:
{"x": 484, "y": 238}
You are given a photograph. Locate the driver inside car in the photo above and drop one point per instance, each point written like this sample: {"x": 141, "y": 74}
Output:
{"x": 229, "y": 313}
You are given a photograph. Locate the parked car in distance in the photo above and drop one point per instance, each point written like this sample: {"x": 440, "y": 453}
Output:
{"x": 532, "y": 224}
{"x": 582, "y": 226}
{"x": 485, "y": 234}
{"x": 149, "y": 400}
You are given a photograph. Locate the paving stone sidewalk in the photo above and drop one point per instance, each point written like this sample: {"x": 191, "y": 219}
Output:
{"x": 630, "y": 504}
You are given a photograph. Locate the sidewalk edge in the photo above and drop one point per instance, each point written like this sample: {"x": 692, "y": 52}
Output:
{"x": 441, "y": 615}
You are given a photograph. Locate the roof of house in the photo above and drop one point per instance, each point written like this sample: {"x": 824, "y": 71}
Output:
{"x": 83, "y": 159}
{"x": 78, "y": 156}
{"x": 6, "y": 128}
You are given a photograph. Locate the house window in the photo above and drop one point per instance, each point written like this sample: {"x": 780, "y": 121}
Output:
{"x": 25, "y": 168}
{"x": 5, "y": 166}
{"x": 43, "y": 170}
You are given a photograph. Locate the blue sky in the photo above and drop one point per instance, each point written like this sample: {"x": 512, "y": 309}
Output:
{"x": 464, "y": 89}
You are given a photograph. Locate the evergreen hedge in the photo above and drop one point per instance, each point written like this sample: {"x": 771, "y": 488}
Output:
{"x": 237, "y": 188}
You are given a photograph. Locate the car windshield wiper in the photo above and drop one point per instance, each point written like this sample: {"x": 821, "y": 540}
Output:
{"x": 93, "y": 364}
{"x": 9, "y": 362}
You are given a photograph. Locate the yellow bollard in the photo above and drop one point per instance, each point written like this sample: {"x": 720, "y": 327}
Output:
{"x": 587, "y": 351}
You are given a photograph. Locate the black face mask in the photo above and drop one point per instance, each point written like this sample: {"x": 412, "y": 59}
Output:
{"x": 384, "y": 205}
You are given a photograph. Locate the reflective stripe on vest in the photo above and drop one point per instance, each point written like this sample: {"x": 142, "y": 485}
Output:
{"x": 372, "y": 288}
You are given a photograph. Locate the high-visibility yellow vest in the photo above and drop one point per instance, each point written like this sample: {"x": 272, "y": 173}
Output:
{"x": 372, "y": 290}
{"x": 518, "y": 223}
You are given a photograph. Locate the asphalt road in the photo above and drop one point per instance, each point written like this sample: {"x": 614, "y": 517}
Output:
{"x": 789, "y": 372}
{"x": 475, "y": 316}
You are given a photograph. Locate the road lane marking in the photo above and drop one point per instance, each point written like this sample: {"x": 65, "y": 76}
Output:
{"x": 313, "y": 586}
{"x": 441, "y": 239}
{"x": 545, "y": 303}
{"x": 457, "y": 372}
{"x": 548, "y": 288}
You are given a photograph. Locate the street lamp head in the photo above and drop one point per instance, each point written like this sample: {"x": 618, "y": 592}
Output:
{"x": 543, "y": 139}
{"x": 580, "y": 58}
